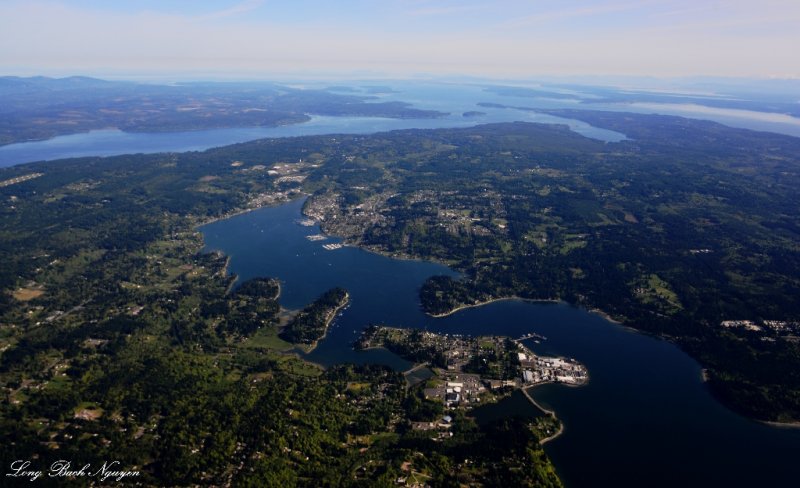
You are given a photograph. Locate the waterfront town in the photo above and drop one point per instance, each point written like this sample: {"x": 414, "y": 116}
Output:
{"x": 471, "y": 371}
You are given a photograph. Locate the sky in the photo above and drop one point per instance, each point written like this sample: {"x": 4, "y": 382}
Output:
{"x": 400, "y": 38}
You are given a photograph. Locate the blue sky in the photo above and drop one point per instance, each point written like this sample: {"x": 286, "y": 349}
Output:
{"x": 497, "y": 39}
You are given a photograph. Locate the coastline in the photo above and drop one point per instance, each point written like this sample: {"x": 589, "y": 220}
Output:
{"x": 234, "y": 213}
{"x": 546, "y": 411}
{"x": 240, "y": 211}
{"x": 782, "y": 425}
{"x": 493, "y": 300}
{"x": 114, "y": 128}
{"x": 606, "y": 316}
{"x": 525, "y": 389}
{"x": 554, "y": 435}
{"x": 328, "y": 320}
{"x": 400, "y": 256}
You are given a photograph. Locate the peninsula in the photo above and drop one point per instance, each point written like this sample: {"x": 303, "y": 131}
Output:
{"x": 310, "y": 325}
{"x": 473, "y": 371}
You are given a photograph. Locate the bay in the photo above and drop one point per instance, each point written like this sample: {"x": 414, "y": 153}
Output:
{"x": 644, "y": 419}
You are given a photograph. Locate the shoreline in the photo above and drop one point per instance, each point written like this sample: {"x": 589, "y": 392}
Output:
{"x": 604, "y": 315}
{"x": 328, "y": 320}
{"x": 202, "y": 223}
{"x": 155, "y": 131}
{"x": 400, "y": 256}
{"x": 546, "y": 411}
{"x": 493, "y": 300}
{"x": 406, "y": 257}
{"x": 781, "y": 425}
{"x": 555, "y": 435}
{"x": 240, "y": 211}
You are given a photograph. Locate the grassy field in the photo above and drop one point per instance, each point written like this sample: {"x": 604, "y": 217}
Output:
{"x": 267, "y": 338}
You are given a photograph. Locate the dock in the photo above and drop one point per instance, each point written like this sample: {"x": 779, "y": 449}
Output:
{"x": 532, "y": 335}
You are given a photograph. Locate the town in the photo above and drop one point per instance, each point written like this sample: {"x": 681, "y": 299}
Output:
{"x": 470, "y": 371}
{"x": 784, "y": 329}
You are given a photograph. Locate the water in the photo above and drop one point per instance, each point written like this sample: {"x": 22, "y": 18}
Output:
{"x": 644, "y": 419}
{"x": 747, "y": 119}
{"x": 459, "y": 98}
{"x": 451, "y": 100}
{"x": 515, "y": 405}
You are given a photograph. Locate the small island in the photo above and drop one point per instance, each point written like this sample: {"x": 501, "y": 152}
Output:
{"x": 473, "y": 113}
{"x": 311, "y": 324}
{"x": 468, "y": 372}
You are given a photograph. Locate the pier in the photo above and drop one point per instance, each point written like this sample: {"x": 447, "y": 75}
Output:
{"x": 532, "y": 335}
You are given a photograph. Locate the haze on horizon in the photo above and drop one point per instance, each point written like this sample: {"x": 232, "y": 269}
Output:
{"x": 503, "y": 38}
